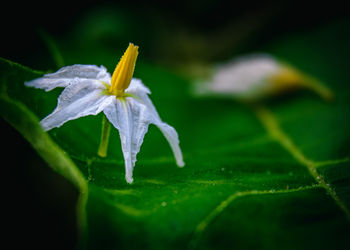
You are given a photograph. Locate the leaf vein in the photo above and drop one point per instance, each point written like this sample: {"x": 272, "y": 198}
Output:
{"x": 272, "y": 126}
{"x": 203, "y": 225}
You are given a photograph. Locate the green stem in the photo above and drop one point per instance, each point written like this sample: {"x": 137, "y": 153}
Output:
{"x": 106, "y": 129}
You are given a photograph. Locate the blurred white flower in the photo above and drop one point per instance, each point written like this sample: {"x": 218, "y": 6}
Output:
{"x": 257, "y": 76}
{"x": 124, "y": 100}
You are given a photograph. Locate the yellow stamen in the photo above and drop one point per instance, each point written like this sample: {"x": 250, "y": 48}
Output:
{"x": 124, "y": 71}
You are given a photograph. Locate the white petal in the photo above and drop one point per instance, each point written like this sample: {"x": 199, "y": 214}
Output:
{"x": 138, "y": 89}
{"x": 173, "y": 139}
{"x": 132, "y": 120}
{"x": 136, "y": 86}
{"x": 244, "y": 77}
{"x": 77, "y": 100}
{"x": 70, "y": 75}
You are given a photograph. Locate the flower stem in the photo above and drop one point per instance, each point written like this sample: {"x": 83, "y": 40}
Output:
{"x": 106, "y": 129}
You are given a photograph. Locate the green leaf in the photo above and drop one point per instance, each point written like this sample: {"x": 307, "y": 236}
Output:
{"x": 272, "y": 176}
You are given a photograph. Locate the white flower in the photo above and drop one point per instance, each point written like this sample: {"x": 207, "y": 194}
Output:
{"x": 257, "y": 76}
{"x": 124, "y": 100}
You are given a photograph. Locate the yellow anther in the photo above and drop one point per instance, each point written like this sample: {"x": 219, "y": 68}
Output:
{"x": 124, "y": 71}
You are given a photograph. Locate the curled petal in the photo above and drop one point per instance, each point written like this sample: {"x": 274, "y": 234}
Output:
{"x": 132, "y": 120}
{"x": 70, "y": 75}
{"x": 141, "y": 92}
{"x": 171, "y": 135}
{"x": 77, "y": 100}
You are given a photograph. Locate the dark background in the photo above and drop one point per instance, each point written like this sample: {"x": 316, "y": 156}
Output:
{"x": 39, "y": 205}
{"x": 169, "y": 31}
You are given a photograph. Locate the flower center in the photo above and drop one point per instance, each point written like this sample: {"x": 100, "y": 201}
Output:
{"x": 124, "y": 71}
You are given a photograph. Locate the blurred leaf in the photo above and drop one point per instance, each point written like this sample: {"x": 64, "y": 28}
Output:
{"x": 268, "y": 177}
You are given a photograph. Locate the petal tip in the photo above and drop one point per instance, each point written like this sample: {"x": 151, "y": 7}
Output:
{"x": 44, "y": 125}
{"x": 180, "y": 164}
{"x": 129, "y": 180}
